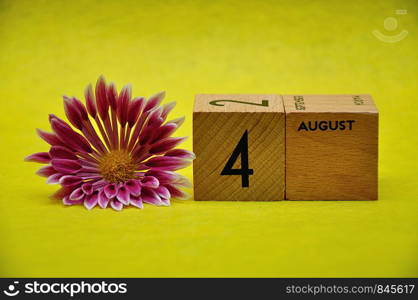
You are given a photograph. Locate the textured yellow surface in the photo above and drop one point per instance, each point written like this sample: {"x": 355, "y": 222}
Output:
{"x": 51, "y": 48}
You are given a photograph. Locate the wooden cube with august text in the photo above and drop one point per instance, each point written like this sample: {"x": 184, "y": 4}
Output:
{"x": 239, "y": 145}
{"x": 331, "y": 147}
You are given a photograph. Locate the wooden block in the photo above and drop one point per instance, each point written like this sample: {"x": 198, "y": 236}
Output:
{"x": 331, "y": 147}
{"x": 231, "y": 131}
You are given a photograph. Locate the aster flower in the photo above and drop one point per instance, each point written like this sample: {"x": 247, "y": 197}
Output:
{"x": 118, "y": 151}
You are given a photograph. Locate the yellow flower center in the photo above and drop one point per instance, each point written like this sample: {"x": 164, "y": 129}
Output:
{"x": 117, "y": 166}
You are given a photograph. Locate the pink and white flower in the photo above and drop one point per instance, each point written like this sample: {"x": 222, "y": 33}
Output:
{"x": 118, "y": 152}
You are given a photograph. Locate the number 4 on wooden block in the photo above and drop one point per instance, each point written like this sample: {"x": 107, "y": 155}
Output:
{"x": 240, "y": 150}
{"x": 239, "y": 146}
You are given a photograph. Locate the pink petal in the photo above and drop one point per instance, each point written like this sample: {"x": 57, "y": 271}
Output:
{"x": 99, "y": 184}
{"x": 72, "y": 113}
{"x": 164, "y": 131}
{"x": 80, "y": 108}
{"x": 166, "y": 145}
{"x": 46, "y": 171}
{"x": 60, "y": 121}
{"x": 134, "y": 187}
{"x": 90, "y": 201}
{"x": 150, "y": 181}
{"x": 181, "y": 153}
{"x": 177, "y": 121}
{"x": 136, "y": 201}
{"x": 150, "y": 196}
{"x": 90, "y": 101}
{"x": 155, "y": 118}
{"x": 154, "y": 101}
{"x": 69, "y": 180}
{"x": 111, "y": 190}
{"x": 67, "y": 201}
{"x": 147, "y": 135}
{"x": 176, "y": 192}
{"x": 87, "y": 188}
{"x": 167, "y": 163}
{"x": 77, "y": 194}
{"x": 165, "y": 202}
{"x": 49, "y": 137}
{"x": 134, "y": 110}
{"x": 66, "y": 166}
{"x": 163, "y": 192}
{"x": 54, "y": 178}
{"x": 164, "y": 195}
{"x": 70, "y": 137}
{"x": 103, "y": 200}
{"x": 183, "y": 181}
{"x": 163, "y": 176}
{"x": 101, "y": 98}
{"x": 141, "y": 153}
{"x": 92, "y": 170}
{"x": 62, "y": 192}
{"x": 123, "y": 104}
{"x": 112, "y": 95}
{"x": 123, "y": 195}
{"x": 40, "y": 157}
{"x": 62, "y": 152}
{"x": 116, "y": 205}
{"x": 167, "y": 108}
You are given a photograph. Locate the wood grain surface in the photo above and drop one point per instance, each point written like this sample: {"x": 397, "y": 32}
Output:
{"x": 217, "y": 129}
{"x": 331, "y": 161}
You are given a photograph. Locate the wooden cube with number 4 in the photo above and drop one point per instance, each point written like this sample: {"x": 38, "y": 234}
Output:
{"x": 239, "y": 145}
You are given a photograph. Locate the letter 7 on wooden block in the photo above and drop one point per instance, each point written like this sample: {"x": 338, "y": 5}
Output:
{"x": 239, "y": 145}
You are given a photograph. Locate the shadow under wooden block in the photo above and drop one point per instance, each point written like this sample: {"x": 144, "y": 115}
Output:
{"x": 239, "y": 145}
{"x": 331, "y": 147}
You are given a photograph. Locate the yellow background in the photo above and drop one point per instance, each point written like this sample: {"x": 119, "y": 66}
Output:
{"x": 51, "y": 48}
